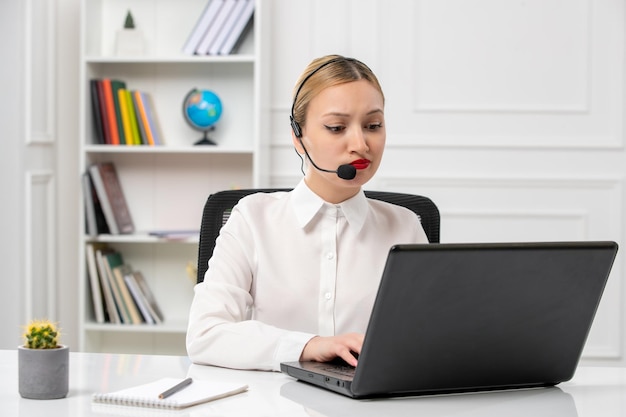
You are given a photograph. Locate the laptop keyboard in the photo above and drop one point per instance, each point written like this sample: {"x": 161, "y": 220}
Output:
{"x": 344, "y": 370}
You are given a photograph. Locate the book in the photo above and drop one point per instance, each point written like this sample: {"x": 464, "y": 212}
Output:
{"x": 112, "y": 199}
{"x": 101, "y": 223}
{"x": 132, "y": 115}
{"x": 96, "y": 113}
{"x": 125, "y": 113}
{"x": 183, "y": 234}
{"x": 153, "y": 121}
{"x": 143, "y": 138}
{"x": 94, "y": 283}
{"x": 90, "y": 210}
{"x": 112, "y": 259}
{"x": 147, "y": 395}
{"x": 228, "y": 27}
{"x": 140, "y": 299}
{"x": 239, "y": 30}
{"x": 110, "y": 111}
{"x": 143, "y": 118}
{"x": 109, "y": 300}
{"x": 117, "y": 85}
{"x": 202, "y": 25}
{"x": 153, "y": 306}
{"x": 132, "y": 310}
{"x": 106, "y": 129}
{"x": 216, "y": 27}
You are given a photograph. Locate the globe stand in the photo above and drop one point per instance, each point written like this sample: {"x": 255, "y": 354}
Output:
{"x": 205, "y": 138}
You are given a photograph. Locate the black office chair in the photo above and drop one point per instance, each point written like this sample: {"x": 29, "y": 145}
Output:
{"x": 218, "y": 207}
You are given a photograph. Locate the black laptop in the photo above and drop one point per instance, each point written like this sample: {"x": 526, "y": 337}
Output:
{"x": 452, "y": 318}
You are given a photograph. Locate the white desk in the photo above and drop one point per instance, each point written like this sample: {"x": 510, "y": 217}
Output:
{"x": 592, "y": 392}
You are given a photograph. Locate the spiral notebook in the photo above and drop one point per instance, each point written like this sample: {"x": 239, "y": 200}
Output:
{"x": 147, "y": 395}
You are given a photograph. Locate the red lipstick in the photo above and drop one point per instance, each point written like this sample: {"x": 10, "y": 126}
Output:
{"x": 360, "y": 163}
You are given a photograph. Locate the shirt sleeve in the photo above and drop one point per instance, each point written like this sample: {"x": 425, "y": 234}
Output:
{"x": 219, "y": 331}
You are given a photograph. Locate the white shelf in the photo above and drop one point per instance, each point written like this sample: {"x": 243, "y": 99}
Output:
{"x": 141, "y": 238}
{"x": 166, "y": 186}
{"x": 176, "y": 59}
{"x": 176, "y": 326}
{"x": 165, "y": 149}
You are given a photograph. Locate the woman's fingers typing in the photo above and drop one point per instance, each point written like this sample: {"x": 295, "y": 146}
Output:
{"x": 324, "y": 349}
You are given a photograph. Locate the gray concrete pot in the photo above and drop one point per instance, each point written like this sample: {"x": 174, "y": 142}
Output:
{"x": 43, "y": 373}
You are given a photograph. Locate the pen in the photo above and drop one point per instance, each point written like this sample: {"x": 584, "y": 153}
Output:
{"x": 178, "y": 387}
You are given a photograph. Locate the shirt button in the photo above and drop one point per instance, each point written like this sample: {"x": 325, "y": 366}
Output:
{"x": 330, "y": 256}
{"x": 328, "y": 296}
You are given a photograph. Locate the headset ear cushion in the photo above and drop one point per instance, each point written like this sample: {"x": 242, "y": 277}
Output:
{"x": 295, "y": 127}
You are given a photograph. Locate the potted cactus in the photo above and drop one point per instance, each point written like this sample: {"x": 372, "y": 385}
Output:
{"x": 43, "y": 363}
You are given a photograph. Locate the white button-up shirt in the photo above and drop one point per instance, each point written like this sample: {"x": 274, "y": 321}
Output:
{"x": 288, "y": 266}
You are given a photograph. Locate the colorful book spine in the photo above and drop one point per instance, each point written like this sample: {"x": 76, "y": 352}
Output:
{"x": 110, "y": 111}
{"x": 123, "y": 117}
{"x": 97, "y": 115}
{"x": 153, "y": 122}
{"x": 125, "y": 113}
{"x": 143, "y": 117}
{"x": 117, "y": 85}
{"x": 133, "y": 118}
{"x": 106, "y": 128}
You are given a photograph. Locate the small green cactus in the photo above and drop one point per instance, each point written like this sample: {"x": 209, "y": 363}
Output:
{"x": 41, "y": 334}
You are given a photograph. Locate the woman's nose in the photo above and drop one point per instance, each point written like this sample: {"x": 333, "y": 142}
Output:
{"x": 358, "y": 140}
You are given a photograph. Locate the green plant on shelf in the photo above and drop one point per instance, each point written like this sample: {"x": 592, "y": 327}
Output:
{"x": 129, "y": 23}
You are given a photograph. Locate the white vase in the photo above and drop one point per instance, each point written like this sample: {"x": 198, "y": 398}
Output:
{"x": 43, "y": 374}
{"x": 129, "y": 42}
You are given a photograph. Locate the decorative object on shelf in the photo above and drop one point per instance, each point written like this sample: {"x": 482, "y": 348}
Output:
{"x": 111, "y": 197}
{"x": 129, "y": 40}
{"x": 202, "y": 109}
{"x": 43, "y": 363}
{"x": 221, "y": 28}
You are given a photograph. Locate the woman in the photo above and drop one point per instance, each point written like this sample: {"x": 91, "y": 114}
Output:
{"x": 294, "y": 274}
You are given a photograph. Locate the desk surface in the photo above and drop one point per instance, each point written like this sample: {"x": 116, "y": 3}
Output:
{"x": 592, "y": 392}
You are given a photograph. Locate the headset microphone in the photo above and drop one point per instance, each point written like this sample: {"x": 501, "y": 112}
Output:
{"x": 345, "y": 171}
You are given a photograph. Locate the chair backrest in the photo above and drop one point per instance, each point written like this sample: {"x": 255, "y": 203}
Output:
{"x": 218, "y": 207}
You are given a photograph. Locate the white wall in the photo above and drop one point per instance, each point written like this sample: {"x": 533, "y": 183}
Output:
{"x": 508, "y": 114}
{"x": 10, "y": 184}
{"x": 39, "y": 160}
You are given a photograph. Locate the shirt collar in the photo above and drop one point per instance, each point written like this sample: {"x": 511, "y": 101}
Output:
{"x": 307, "y": 204}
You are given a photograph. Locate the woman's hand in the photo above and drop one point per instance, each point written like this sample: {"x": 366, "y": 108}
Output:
{"x": 324, "y": 349}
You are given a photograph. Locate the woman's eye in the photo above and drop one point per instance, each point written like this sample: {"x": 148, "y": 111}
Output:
{"x": 335, "y": 128}
{"x": 374, "y": 126}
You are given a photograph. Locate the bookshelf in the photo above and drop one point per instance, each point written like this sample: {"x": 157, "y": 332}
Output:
{"x": 166, "y": 186}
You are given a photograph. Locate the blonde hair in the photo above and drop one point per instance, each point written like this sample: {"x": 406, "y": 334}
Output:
{"x": 324, "y": 72}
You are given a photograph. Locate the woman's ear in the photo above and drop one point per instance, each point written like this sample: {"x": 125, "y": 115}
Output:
{"x": 297, "y": 143}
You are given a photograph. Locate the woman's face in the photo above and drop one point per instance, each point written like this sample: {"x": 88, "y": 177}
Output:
{"x": 345, "y": 124}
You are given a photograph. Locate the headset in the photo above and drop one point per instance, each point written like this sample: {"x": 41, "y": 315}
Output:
{"x": 345, "y": 171}
{"x": 295, "y": 126}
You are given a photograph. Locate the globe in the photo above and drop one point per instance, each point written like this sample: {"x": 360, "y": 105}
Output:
{"x": 202, "y": 109}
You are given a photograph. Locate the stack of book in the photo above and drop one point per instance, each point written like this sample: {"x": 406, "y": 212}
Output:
{"x": 122, "y": 116}
{"x": 106, "y": 209}
{"x": 221, "y": 27}
{"x": 120, "y": 295}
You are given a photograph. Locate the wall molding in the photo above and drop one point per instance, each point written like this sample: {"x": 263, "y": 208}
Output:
{"x": 40, "y": 76}
{"x": 39, "y": 263}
